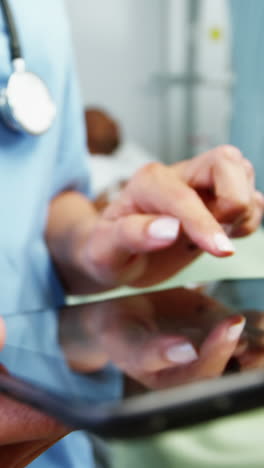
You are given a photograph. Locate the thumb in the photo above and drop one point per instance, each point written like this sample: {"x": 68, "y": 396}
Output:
{"x": 128, "y": 239}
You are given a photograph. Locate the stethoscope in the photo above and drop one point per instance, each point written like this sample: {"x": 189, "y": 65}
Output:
{"x": 25, "y": 104}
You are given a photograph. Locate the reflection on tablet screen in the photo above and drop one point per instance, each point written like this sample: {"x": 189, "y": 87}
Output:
{"x": 156, "y": 340}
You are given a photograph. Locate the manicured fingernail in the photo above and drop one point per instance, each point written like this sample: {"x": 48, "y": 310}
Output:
{"x": 165, "y": 229}
{"x": 235, "y": 331}
{"x": 183, "y": 353}
{"x": 223, "y": 243}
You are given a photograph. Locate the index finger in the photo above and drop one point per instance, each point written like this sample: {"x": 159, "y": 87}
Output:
{"x": 212, "y": 359}
{"x": 158, "y": 190}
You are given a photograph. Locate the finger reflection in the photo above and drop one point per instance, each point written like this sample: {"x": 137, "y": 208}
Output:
{"x": 160, "y": 339}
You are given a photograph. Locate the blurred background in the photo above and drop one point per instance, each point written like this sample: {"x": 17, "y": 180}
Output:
{"x": 165, "y": 80}
{"x": 175, "y": 77}
{"x": 160, "y": 67}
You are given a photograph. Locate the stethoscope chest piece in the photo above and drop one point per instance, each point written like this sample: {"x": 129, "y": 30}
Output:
{"x": 26, "y": 104}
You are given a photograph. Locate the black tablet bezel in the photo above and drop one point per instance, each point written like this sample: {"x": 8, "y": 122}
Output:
{"x": 148, "y": 414}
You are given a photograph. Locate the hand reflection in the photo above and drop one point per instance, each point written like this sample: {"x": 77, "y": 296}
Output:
{"x": 161, "y": 340}
{"x": 250, "y": 353}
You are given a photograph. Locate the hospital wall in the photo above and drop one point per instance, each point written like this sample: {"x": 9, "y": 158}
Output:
{"x": 119, "y": 49}
{"x": 129, "y": 53}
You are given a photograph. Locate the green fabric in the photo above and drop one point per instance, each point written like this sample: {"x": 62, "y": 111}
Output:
{"x": 236, "y": 442}
{"x": 247, "y": 263}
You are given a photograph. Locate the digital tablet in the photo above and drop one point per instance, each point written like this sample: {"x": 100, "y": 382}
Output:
{"x": 136, "y": 366}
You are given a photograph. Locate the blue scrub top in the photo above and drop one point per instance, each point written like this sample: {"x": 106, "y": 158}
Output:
{"x": 32, "y": 171}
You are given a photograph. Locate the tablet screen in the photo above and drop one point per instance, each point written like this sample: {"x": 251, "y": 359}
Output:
{"x": 100, "y": 352}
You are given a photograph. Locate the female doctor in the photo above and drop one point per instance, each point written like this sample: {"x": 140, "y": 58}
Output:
{"x": 52, "y": 239}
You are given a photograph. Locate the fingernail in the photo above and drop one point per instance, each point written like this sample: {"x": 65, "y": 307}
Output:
{"x": 235, "y": 331}
{"x": 183, "y": 353}
{"x": 165, "y": 229}
{"x": 223, "y": 243}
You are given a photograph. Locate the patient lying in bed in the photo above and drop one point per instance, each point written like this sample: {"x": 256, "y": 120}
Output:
{"x": 113, "y": 160}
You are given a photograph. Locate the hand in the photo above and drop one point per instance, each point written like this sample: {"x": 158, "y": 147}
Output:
{"x": 160, "y": 340}
{"x": 250, "y": 353}
{"x": 166, "y": 216}
{"x": 24, "y": 432}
